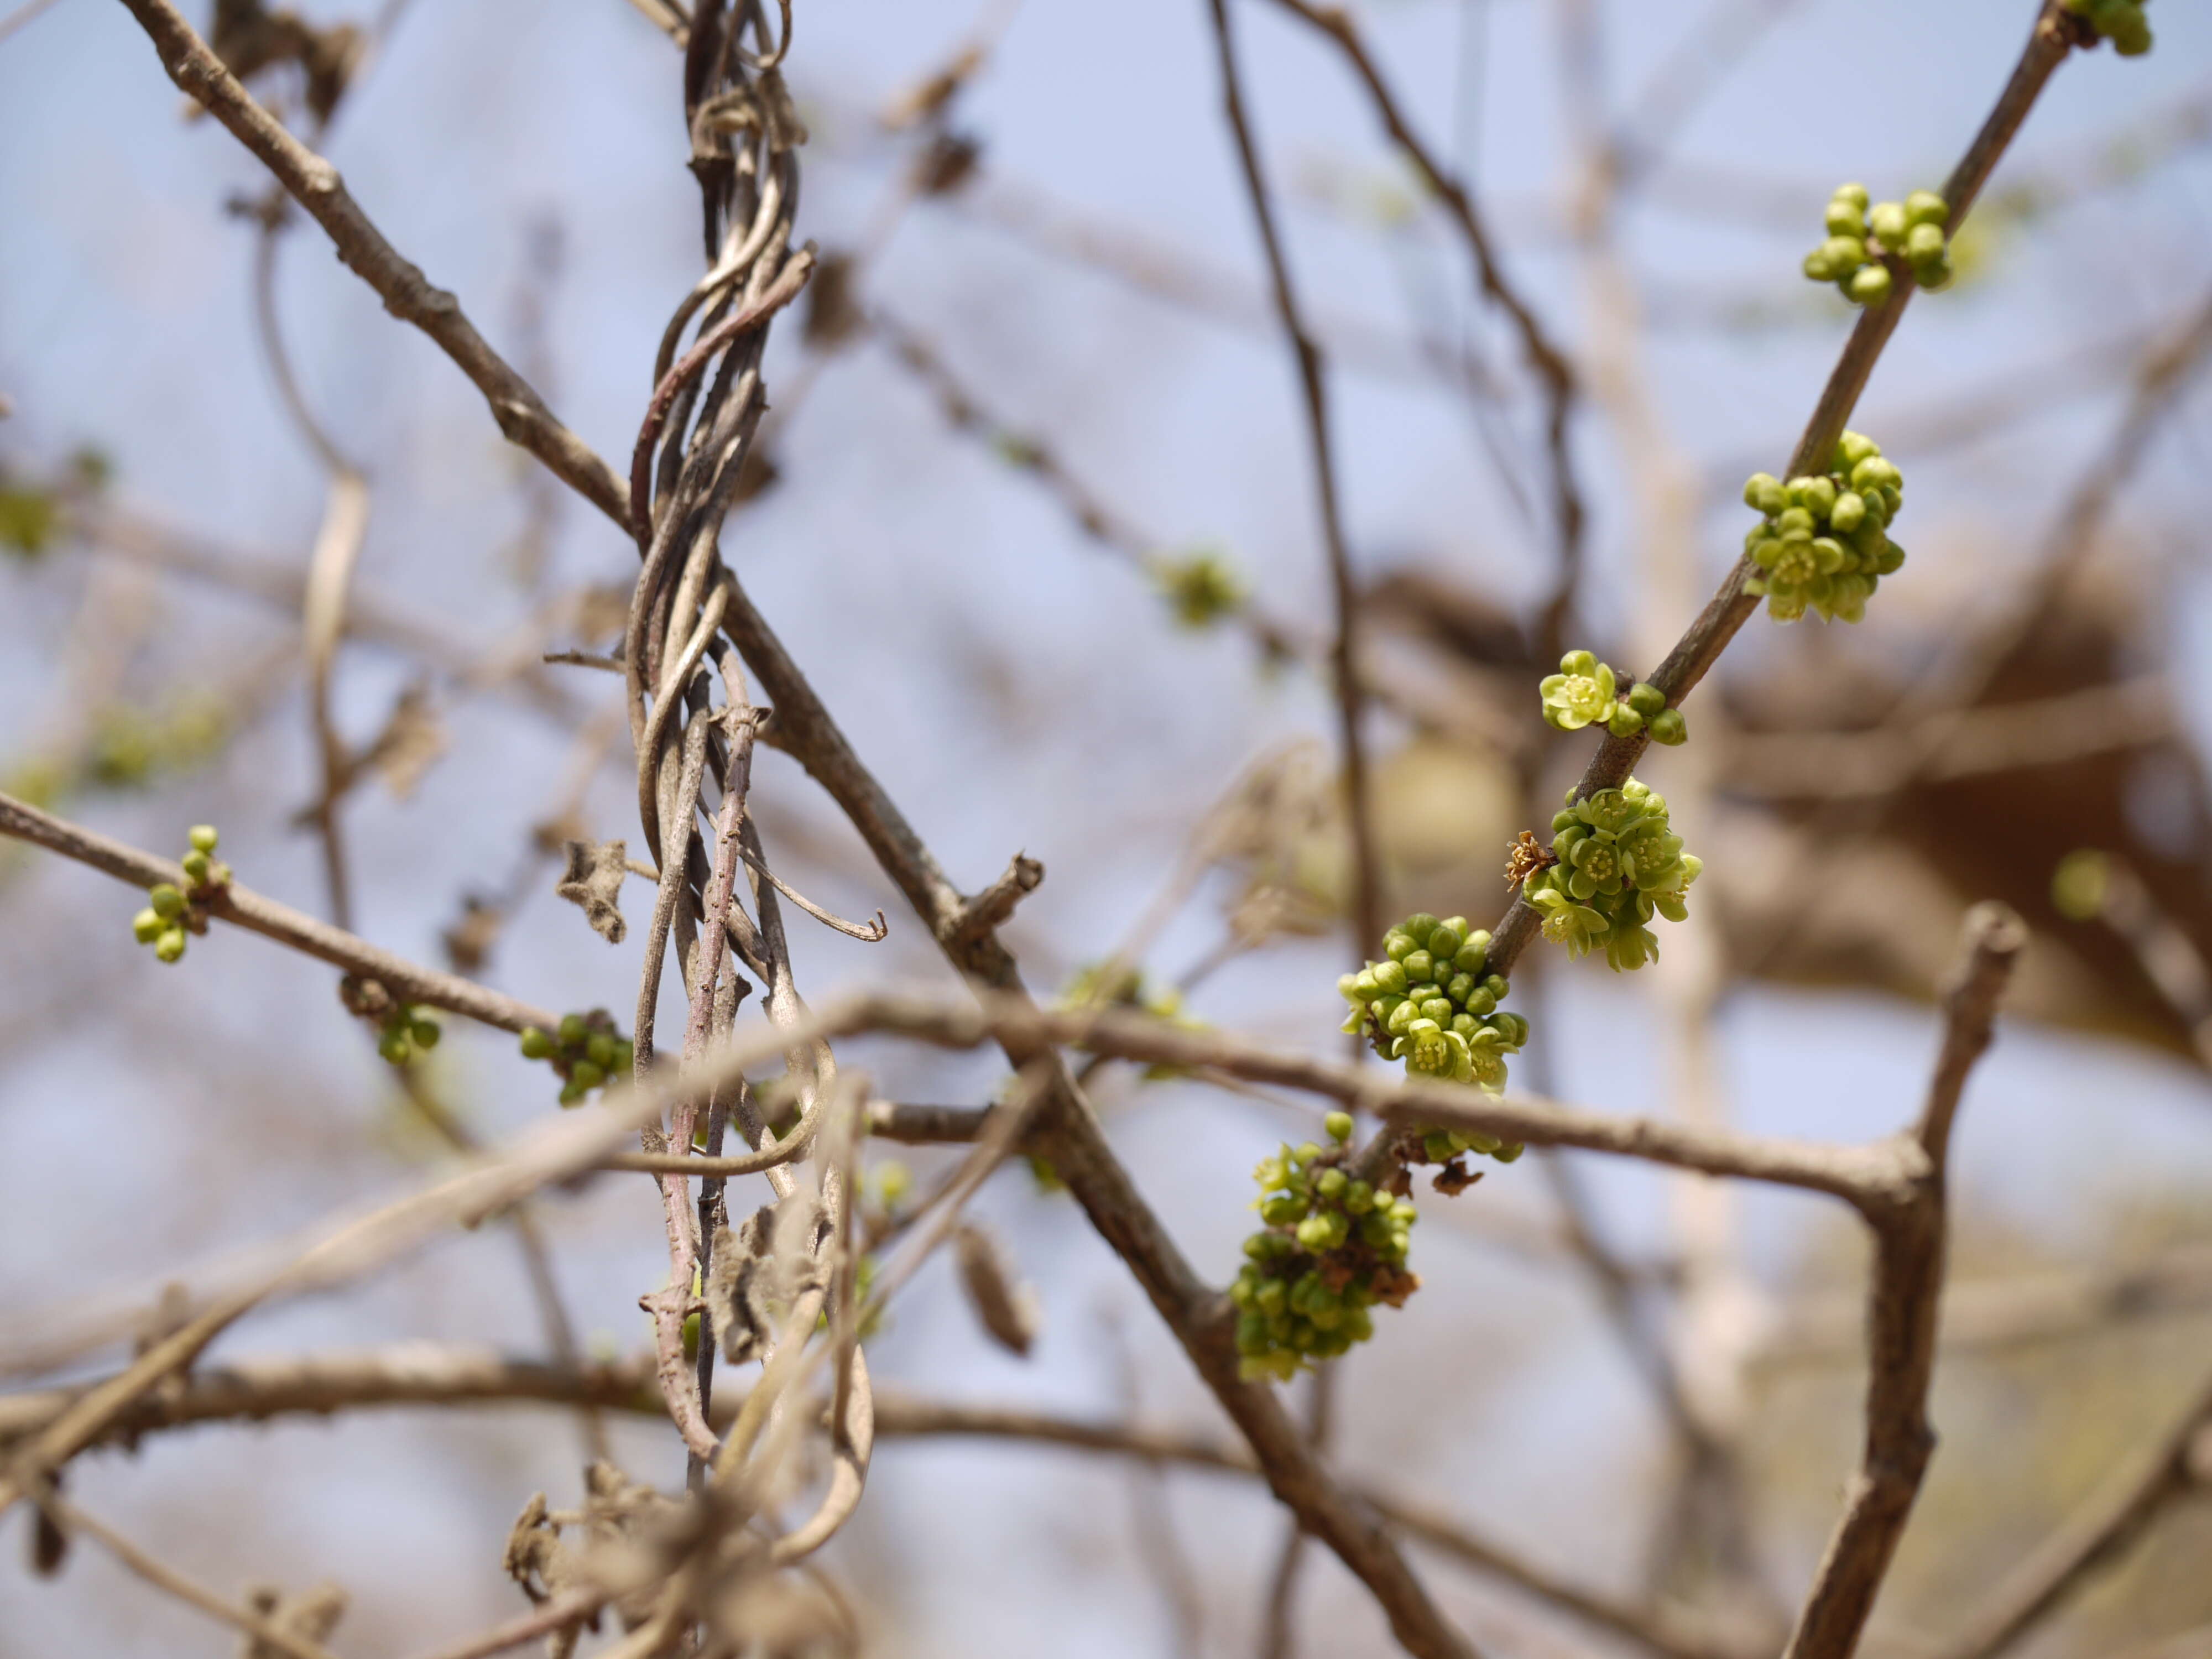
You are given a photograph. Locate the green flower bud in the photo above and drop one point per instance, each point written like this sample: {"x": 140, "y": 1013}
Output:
{"x": 1875, "y": 473}
{"x": 1332, "y": 1183}
{"x": 170, "y": 946}
{"x": 1890, "y": 560}
{"x": 1763, "y": 493}
{"x": 1646, "y": 699}
{"x": 625, "y": 1057}
{"x": 1624, "y": 721}
{"x": 1871, "y": 285}
{"x": 196, "y": 866}
{"x": 599, "y": 1049}
{"x": 586, "y": 1075}
{"x": 1796, "y": 524}
{"x": 426, "y": 1034}
{"x": 146, "y": 927}
{"x": 1845, "y": 217}
{"x": 1347, "y": 987}
{"x": 1849, "y": 511}
{"x": 1391, "y": 976}
{"x": 1419, "y": 965}
{"x": 1843, "y": 255}
{"x": 1668, "y": 727}
{"x": 1925, "y": 207}
{"x": 167, "y": 900}
{"x": 394, "y": 1046}
{"x": 573, "y": 1031}
{"x": 536, "y": 1045}
{"x": 1358, "y": 1197}
{"x": 1339, "y": 1125}
{"x": 1578, "y": 662}
{"x": 1398, "y": 945}
{"x": 1419, "y": 925}
{"x": 1283, "y": 1209}
{"x": 572, "y": 1093}
{"x": 1817, "y": 268}
{"x": 1444, "y": 942}
{"x": 1473, "y": 955}
{"x": 1923, "y": 243}
{"x": 1307, "y": 1153}
{"x": 1888, "y": 223}
{"x": 1855, "y": 194}
{"x": 203, "y": 837}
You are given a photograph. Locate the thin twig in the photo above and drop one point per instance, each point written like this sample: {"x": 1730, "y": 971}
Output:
{"x": 1344, "y": 652}
{"x": 247, "y": 908}
{"x": 1909, "y": 1243}
{"x": 2104, "y": 1529}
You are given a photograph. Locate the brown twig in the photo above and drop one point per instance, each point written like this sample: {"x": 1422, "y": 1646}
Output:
{"x": 247, "y": 908}
{"x": 166, "y": 1579}
{"x": 2104, "y": 1529}
{"x": 1545, "y": 357}
{"x": 2056, "y": 32}
{"x": 1344, "y": 654}
{"x": 315, "y": 184}
{"x": 422, "y": 1375}
{"x": 1910, "y": 1242}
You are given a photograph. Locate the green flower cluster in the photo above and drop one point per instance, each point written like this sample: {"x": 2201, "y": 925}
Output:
{"x": 1331, "y": 1249}
{"x": 1619, "y": 863}
{"x": 407, "y": 1032}
{"x": 1823, "y": 542}
{"x": 1859, "y": 235}
{"x": 1432, "y": 1002}
{"x": 586, "y": 1049}
{"x": 1586, "y": 692}
{"x": 169, "y": 912}
{"x": 1201, "y": 586}
{"x": 2120, "y": 21}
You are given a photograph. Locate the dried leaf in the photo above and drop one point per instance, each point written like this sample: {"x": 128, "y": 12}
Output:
{"x": 1006, "y": 1307}
{"x": 761, "y": 1268}
{"x": 311, "y": 1615}
{"x": 412, "y": 739}
{"x": 593, "y": 880}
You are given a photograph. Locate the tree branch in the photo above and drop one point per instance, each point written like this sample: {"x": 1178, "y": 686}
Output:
{"x": 1908, "y": 1278}
{"x": 244, "y": 908}
{"x": 407, "y": 294}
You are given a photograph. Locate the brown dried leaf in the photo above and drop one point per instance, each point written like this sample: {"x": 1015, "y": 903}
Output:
{"x": 412, "y": 739}
{"x": 1005, "y": 1307}
{"x": 761, "y": 1267}
{"x": 593, "y": 880}
{"x": 311, "y": 1615}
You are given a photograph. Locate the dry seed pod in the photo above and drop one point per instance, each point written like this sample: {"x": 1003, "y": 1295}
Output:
{"x": 1006, "y": 1307}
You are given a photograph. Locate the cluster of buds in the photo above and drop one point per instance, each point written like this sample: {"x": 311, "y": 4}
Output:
{"x": 1201, "y": 586}
{"x": 1330, "y": 1249}
{"x": 403, "y": 1032}
{"x": 2120, "y": 21}
{"x": 1859, "y": 235}
{"x": 1432, "y": 1002}
{"x": 1822, "y": 541}
{"x": 586, "y": 1049}
{"x": 406, "y": 1034}
{"x": 1586, "y": 692}
{"x": 1619, "y": 863}
{"x": 172, "y": 911}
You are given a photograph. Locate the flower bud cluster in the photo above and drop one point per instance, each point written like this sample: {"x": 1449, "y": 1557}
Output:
{"x": 1586, "y": 692}
{"x": 1201, "y": 586}
{"x": 406, "y": 1033}
{"x": 1432, "y": 1002}
{"x": 1331, "y": 1246}
{"x": 586, "y": 1049}
{"x": 2120, "y": 21}
{"x": 1858, "y": 237}
{"x": 1823, "y": 540}
{"x": 1619, "y": 864}
{"x": 172, "y": 911}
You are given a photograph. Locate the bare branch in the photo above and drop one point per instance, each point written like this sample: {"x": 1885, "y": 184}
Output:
{"x": 315, "y": 184}
{"x": 1345, "y": 655}
{"x": 247, "y": 908}
{"x": 1908, "y": 1278}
